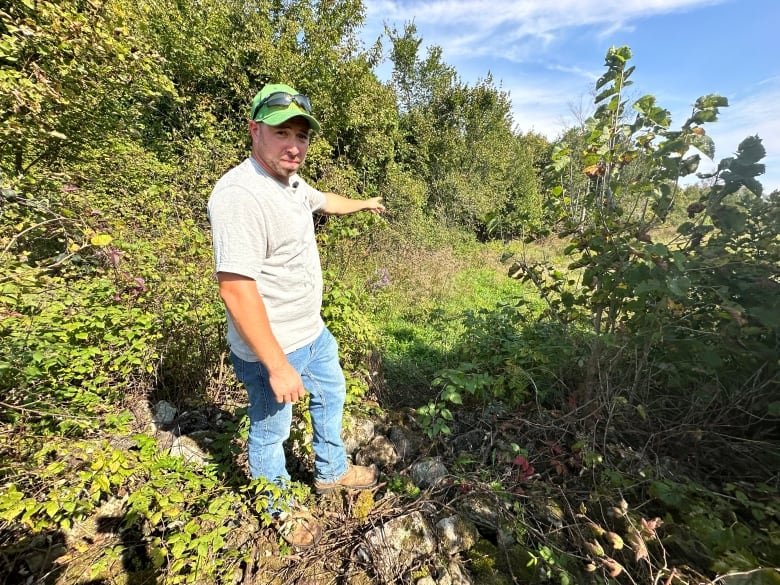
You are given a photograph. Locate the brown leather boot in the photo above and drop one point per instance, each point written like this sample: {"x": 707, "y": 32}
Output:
{"x": 357, "y": 477}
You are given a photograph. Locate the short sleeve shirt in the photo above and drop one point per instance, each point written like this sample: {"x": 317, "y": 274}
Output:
{"x": 264, "y": 230}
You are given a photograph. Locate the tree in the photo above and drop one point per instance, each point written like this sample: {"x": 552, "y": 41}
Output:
{"x": 458, "y": 138}
{"x": 70, "y": 76}
{"x": 701, "y": 305}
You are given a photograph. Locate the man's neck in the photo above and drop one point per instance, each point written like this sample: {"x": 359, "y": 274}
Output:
{"x": 285, "y": 181}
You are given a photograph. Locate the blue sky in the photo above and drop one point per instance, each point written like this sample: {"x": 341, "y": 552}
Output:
{"x": 547, "y": 54}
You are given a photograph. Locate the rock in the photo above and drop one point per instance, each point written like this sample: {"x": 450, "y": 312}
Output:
{"x": 100, "y": 527}
{"x": 191, "y": 422}
{"x": 121, "y": 442}
{"x": 456, "y": 534}
{"x": 357, "y": 432}
{"x": 407, "y": 445}
{"x": 188, "y": 449}
{"x": 451, "y": 573}
{"x": 164, "y": 413}
{"x": 397, "y": 544}
{"x": 455, "y": 575}
{"x": 221, "y": 421}
{"x": 428, "y": 472}
{"x": 203, "y": 437}
{"x": 380, "y": 451}
{"x": 426, "y": 581}
{"x": 164, "y": 440}
{"x": 482, "y": 509}
{"x": 362, "y": 555}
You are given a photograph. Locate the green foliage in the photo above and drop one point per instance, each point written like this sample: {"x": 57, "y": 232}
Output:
{"x": 720, "y": 528}
{"x": 195, "y": 527}
{"x": 345, "y": 318}
{"x": 93, "y": 473}
{"x": 70, "y": 345}
{"x": 460, "y": 141}
{"x": 404, "y": 486}
{"x": 521, "y": 215}
{"x": 696, "y": 306}
{"x": 714, "y": 297}
{"x": 117, "y": 117}
{"x": 504, "y": 357}
{"x": 344, "y": 305}
{"x": 71, "y": 74}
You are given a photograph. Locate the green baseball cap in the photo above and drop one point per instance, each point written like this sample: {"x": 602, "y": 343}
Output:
{"x": 273, "y": 110}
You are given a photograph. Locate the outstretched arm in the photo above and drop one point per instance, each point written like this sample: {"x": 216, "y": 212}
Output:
{"x": 339, "y": 205}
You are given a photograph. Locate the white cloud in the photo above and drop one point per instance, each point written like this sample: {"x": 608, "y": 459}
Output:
{"x": 515, "y": 31}
{"x": 612, "y": 28}
{"x": 591, "y": 76}
{"x": 549, "y": 107}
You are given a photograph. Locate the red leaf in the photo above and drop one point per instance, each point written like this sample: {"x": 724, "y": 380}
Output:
{"x": 520, "y": 462}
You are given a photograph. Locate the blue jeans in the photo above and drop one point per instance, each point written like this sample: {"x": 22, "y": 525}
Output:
{"x": 318, "y": 365}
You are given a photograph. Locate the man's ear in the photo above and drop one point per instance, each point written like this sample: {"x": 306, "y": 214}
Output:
{"x": 253, "y": 127}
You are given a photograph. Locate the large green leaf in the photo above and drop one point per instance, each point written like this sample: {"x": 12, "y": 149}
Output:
{"x": 703, "y": 143}
{"x": 711, "y": 101}
{"x": 606, "y": 78}
{"x": 704, "y": 116}
{"x": 729, "y": 218}
{"x": 751, "y": 150}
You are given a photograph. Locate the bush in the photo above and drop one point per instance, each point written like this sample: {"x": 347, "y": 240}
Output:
{"x": 71, "y": 346}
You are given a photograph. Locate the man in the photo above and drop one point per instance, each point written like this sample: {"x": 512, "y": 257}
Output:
{"x": 270, "y": 280}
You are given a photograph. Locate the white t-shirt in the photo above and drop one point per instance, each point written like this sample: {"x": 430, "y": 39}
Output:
{"x": 264, "y": 230}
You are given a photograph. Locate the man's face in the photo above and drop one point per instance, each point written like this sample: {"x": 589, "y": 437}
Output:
{"x": 280, "y": 149}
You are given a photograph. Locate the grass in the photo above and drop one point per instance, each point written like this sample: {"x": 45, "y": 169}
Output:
{"x": 420, "y": 319}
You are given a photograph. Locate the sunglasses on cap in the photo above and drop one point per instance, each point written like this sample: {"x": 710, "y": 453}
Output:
{"x": 282, "y": 98}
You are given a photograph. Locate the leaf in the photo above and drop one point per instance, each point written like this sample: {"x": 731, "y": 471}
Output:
{"x": 451, "y": 394}
{"x": 690, "y": 164}
{"x": 644, "y": 104}
{"x": 52, "y": 508}
{"x": 596, "y": 529}
{"x": 596, "y": 170}
{"x": 612, "y": 566}
{"x": 615, "y": 541}
{"x": 638, "y": 545}
{"x": 669, "y": 493}
{"x": 751, "y": 150}
{"x": 606, "y": 78}
{"x": 703, "y": 143}
{"x": 594, "y": 548}
{"x": 712, "y": 101}
{"x": 101, "y": 240}
{"x": 729, "y": 218}
{"x": 704, "y": 116}
{"x": 679, "y": 286}
{"x": 650, "y": 526}
{"x": 618, "y": 55}
{"x": 753, "y": 185}
{"x": 605, "y": 94}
